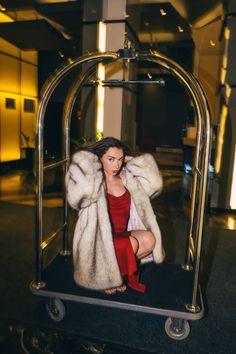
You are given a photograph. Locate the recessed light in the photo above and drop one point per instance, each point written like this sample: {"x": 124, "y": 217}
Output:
{"x": 163, "y": 12}
{"x": 180, "y": 29}
{"x": 2, "y": 8}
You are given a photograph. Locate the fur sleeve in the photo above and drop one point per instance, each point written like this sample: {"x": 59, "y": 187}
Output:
{"x": 83, "y": 179}
{"x": 145, "y": 169}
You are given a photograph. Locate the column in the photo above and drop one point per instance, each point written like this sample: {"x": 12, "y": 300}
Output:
{"x": 108, "y": 111}
{"x": 224, "y": 184}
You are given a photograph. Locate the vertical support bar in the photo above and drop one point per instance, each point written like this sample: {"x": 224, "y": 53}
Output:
{"x": 203, "y": 143}
{"x": 66, "y": 155}
{"x": 191, "y": 245}
{"x": 38, "y": 283}
{"x": 201, "y": 213}
{"x": 194, "y": 192}
{"x": 48, "y": 89}
{"x": 67, "y": 113}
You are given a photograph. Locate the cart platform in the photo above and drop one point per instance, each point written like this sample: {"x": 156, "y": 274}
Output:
{"x": 168, "y": 290}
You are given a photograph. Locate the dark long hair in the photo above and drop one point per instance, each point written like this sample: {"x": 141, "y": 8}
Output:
{"x": 100, "y": 147}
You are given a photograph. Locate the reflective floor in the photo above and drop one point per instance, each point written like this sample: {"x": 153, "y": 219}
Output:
{"x": 18, "y": 187}
{"x": 18, "y": 335}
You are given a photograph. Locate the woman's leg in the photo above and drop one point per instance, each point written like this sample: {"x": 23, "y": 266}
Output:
{"x": 143, "y": 242}
{"x": 124, "y": 249}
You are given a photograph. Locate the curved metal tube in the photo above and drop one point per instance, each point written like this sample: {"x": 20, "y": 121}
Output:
{"x": 201, "y": 159}
{"x": 67, "y": 113}
{"x": 47, "y": 91}
{"x": 202, "y": 150}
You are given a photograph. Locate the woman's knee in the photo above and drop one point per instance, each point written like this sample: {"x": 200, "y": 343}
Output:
{"x": 149, "y": 240}
{"x": 134, "y": 243}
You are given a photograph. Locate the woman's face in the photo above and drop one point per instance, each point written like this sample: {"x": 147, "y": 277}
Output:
{"x": 112, "y": 161}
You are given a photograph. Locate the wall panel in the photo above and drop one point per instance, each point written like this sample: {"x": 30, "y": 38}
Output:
{"x": 28, "y": 119}
{"x": 9, "y": 128}
{"x": 29, "y": 79}
{"x": 10, "y": 74}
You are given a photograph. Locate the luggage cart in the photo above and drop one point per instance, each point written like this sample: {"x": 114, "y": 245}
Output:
{"x": 177, "y": 294}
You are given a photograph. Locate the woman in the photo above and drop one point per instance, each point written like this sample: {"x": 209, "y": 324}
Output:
{"x": 116, "y": 223}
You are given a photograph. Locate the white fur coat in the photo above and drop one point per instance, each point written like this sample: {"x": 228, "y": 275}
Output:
{"x": 95, "y": 264}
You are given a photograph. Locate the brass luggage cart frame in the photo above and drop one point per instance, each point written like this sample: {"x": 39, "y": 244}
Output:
{"x": 179, "y": 306}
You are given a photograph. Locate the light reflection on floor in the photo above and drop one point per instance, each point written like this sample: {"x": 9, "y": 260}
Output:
{"x": 225, "y": 221}
{"x": 18, "y": 187}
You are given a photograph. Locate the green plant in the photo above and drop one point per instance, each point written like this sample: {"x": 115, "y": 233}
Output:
{"x": 26, "y": 141}
{"x": 84, "y": 140}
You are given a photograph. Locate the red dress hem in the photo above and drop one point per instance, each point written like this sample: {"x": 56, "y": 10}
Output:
{"x": 119, "y": 208}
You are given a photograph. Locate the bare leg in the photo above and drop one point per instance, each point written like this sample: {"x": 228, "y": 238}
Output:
{"x": 143, "y": 242}
{"x": 134, "y": 243}
{"x": 135, "y": 246}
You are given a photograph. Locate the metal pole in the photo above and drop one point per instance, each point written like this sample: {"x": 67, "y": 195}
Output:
{"x": 201, "y": 162}
{"x": 67, "y": 112}
{"x": 48, "y": 88}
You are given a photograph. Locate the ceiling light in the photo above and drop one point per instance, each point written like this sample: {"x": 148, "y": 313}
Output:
{"x": 180, "y": 29}
{"x": 102, "y": 32}
{"x": 212, "y": 43}
{"x": 2, "y": 8}
{"x": 163, "y": 12}
{"x": 227, "y": 33}
{"x": 100, "y": 99}
{"x": 61, "y": 55}
{"x": 220, "y": 138}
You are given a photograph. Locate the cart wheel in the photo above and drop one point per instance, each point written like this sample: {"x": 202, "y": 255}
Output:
{"x": 177, "y": 328}
{"x": 56, "y": 309}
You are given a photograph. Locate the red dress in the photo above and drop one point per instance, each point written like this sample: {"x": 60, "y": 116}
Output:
{"x": 119, "y": 209}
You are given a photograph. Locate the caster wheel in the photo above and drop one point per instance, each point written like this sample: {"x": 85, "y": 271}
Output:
{"x": 176, "y": 328}
{"x": 56, "y": 310}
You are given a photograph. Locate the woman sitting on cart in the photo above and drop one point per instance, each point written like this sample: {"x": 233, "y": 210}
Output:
{"x": 116, "y": 225}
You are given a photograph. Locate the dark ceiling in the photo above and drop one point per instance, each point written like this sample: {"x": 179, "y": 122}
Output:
{"x": 47, "y": 25}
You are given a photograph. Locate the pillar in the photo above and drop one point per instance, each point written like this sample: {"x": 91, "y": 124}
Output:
{"x": 110, "y": 110}
{"x": 107, "y": 16}
{"x": 224, "y": 184}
